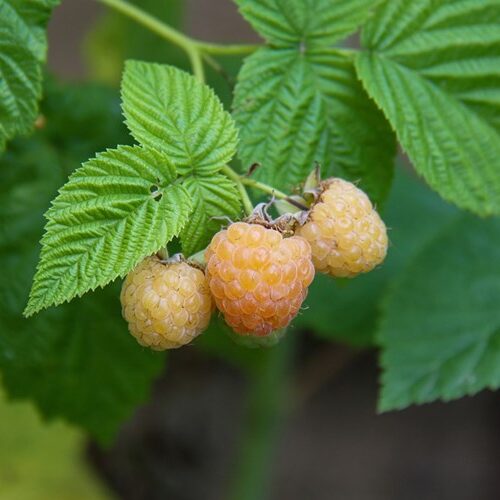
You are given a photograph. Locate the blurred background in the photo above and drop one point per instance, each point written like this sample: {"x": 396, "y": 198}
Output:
{"x": 203, "y": 434}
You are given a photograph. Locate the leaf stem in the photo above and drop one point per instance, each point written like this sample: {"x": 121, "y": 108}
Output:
{"x": 163, "y": 253}
{"x": 217, "y": 49}
{"x": 247, "y": 203}
{"x": 266, "y": 188}
{"x": 197, "y": 64}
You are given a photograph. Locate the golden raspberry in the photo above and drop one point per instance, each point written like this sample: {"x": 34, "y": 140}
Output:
{"x": 258, "y": 278}
{"x": 346, "y": 234}
{"x": 166, "y": 305}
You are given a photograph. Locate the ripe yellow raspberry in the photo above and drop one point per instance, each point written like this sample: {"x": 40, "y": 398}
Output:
{"x": 166, "y": 305}
{"x": 258, "y": 278}
{"x": 346, "y": 234}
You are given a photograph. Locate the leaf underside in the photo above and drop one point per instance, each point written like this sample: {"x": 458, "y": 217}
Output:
{"x": 440, "y": 332}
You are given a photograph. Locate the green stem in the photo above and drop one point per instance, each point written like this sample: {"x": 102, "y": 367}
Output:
{"x": 163, "y": 253}
{"x": 266, "y": 188}
{"x": 196, "y": 64}
{"x": 265, "y": 412}
{"x": 247, "y": 203}
{"x": 216, "y": 49}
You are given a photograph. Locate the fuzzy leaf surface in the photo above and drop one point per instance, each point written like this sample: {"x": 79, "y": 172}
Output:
{"x": 115, "y": 210}
{"x": 169, "y": 110}
{"x": 214, "y": 196}
{"x": 305, "y": 22}
{"x": 440, "y": 332}
{"x": 433, "y": 66}
{"x": 295, "y": 109}
{"x": 23, "y": 49}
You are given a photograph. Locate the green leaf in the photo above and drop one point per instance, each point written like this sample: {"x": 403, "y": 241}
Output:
{"x": 348, "y": 310}
{"x": 440, "y": 332}
{"x": 172, "y": 112}
{"x": 434, "y": 69}
{"x": 296, "y": 108}
{"x": 22, "y": 51}
{"x": 305, "y": 22}
{"x": 115, "y": 210}
{"x": 76, "y": 361}
{"x": 212, "y": 196}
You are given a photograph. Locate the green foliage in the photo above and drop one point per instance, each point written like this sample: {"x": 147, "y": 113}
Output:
{"x": 433, "y": 68}
{"x": 22, "y": 51}
{"x": 168, "y": 110}
{"x": 308, "y": 23}
{"x": 114, "y": 210}
{"x": 440, "y": 332}
{"x": 428, "y": 73}
{"x": 300, "y": 105}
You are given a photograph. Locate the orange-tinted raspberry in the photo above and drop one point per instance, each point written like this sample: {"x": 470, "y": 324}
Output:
{"x": 346, "y": 234}
{"x": 166, "y": 305}
{"x": 258, "y": 278}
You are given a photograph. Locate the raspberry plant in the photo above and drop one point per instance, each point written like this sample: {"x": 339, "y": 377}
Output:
{"x": 191, "y": 168}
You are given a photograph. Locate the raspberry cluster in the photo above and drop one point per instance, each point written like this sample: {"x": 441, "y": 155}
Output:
{"x": 346, "y": 234}
{"x": 166, "y": 305}
{"x": 258, "y": 278}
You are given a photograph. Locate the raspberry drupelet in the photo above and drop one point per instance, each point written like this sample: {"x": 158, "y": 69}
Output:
{"x": 346, "y": 234}
{"x": 166, "y": 305}
{"x": 258, "y": 278}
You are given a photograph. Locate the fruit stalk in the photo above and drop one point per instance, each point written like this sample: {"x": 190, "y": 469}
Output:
{"x": 266, "y": 407}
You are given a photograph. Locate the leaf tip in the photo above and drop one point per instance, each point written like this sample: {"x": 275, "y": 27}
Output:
{"x": 30, "y": 309}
